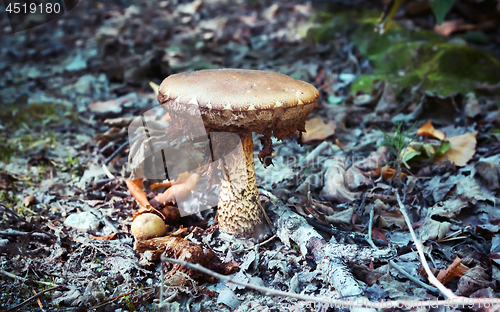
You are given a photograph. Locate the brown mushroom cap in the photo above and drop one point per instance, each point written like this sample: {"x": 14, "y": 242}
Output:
{"x": 241, "y": 100}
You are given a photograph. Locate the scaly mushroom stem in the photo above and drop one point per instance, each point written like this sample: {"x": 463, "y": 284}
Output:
{"x": 239, "y": 211}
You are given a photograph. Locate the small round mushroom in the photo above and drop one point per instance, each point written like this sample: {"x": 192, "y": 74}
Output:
{"x": 148, "y": 225}
{"x": 240, "y": 101}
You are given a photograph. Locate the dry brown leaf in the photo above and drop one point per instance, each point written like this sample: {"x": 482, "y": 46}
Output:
{"x": 448, "y": 27}
{"x": 463, "y": 147}
{"x": 387, "y": 173}
{"x": 387, "y": 218}
{"x": 318, "y": 129}
{"x": 376, "y": 233}
{"x": 182, "y": 249}
{"x": 28, "y": 200}
{"x": 433, "y": 230}
{"x": 335, "y": 188}
{"x": 178, "y": 191}
{"x": 110, "y": 106}
{"x": 456, "y": 269}
{"x": 109, "y": 237}
{"x": 166, "y": 183}
{"x": 135, "y": 188}
{"x": 428, "y": 130}
{"x": 474, "y": 279}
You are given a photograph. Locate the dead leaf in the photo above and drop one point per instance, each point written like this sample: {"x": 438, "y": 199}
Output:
{"x": 110, "y": 106}
{"x": 387, "y": 173}
{"x": 376, "y": 233}
{"x": 473, "y": 280}
{"x": 387, "y": 217}
{"x": 489, "y": 173}
{"x": 344, "y": 216}
{"x": 472, "y": 107}
{"x": 182, "y": 249}
{"x": 318, "y": 129}
{"x": 449, "y": 208}
{"x": 135, "y": 188}
{"x": 190, "y": 8}
{"x": 433, "y": 230}
{"x": 178, "y": 192}
{"x": 356, "y": 179}
{"x": 462, "y": 149}
{"x": 374, "y": 160}
{"x": 109, "y": 237}
{"x": 456, "y": 269}
{"x": 442, "y": 110}
{"x": 448, "y": 27}
{"x": 335, "y": 188}
{"x": 387, "y": 102}
{"x": 366, "y": 274}
{"x": 28, "y": 200}
{"x": 428, "y": 130}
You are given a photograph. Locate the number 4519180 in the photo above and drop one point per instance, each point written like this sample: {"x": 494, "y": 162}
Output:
{"x": 25, "y": 8}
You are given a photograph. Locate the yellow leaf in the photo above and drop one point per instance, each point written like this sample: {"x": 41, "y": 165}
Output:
{"x": 318, "y": 129}
{"x": 429, "y": 131}
{"x": 463, "y": 147}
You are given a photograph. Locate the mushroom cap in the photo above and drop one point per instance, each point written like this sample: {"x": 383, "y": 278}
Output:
{"x": 240, "y": 100}
{"x": 147, "y": 225}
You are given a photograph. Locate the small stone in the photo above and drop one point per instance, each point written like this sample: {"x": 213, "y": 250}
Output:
{"x": 82, "y": 221}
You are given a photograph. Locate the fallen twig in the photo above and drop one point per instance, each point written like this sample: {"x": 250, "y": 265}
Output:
{"x": 14, "y": 233}
{"x": 116, "y": 152}
{"x": 13, "y": 276}
{"x": 357, "y": 303}
{"x": 370, "y": 228}
{"x": 413, "y": 278}
{"x": 22, "y": 304}
{"x": 434, "y": 281}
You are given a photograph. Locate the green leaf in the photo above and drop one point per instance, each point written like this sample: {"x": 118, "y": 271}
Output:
{"x": 441, "y": 8}
{"x": 445, "y": 146}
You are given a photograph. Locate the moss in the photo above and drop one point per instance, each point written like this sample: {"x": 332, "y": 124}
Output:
{"x": 35, "y": 114}
{"x": 27, "y": 126}
{"x": 403, "y": 57}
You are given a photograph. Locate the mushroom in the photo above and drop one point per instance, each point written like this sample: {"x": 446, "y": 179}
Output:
{"x": 148, "y": 225}
{"x": 239, "y": 101}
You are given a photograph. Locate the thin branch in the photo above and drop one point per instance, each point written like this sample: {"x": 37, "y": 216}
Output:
{"x": 413, "y": 278}
{"x": 370, "y": 229}
{"x": 359, "y": 302}
{"x": 116, "y": 152}
{"x": 23, "y": 279}
{"x": 259, "y": 244}
{"x": 430, "y": 276}
{"x": 22, "y": 304}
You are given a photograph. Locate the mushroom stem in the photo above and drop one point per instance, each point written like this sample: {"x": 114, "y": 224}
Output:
{"x": 239, "y": 211}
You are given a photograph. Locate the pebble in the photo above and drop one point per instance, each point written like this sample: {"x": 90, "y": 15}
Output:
{"x": 82, "y": 221}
